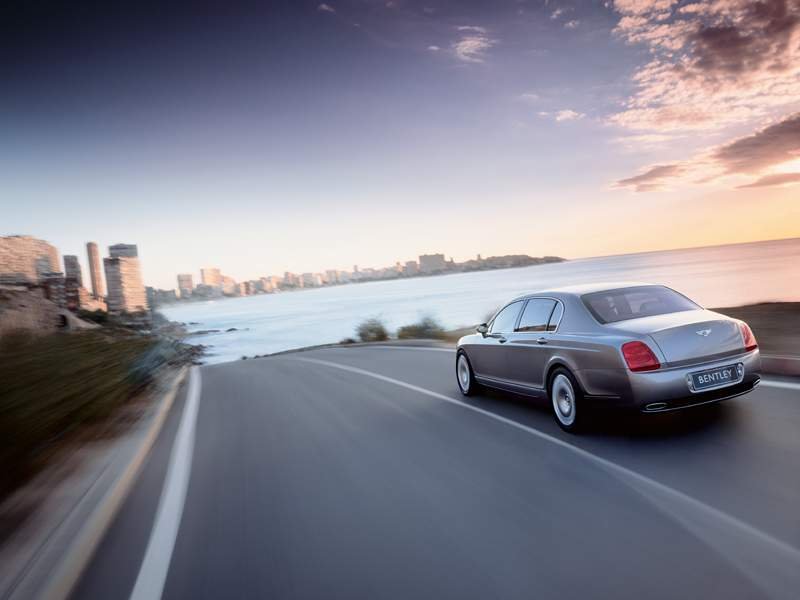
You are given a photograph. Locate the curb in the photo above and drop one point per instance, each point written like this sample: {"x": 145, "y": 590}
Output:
{"x": 780, "y": 365}
{"x": 58, "y": 564}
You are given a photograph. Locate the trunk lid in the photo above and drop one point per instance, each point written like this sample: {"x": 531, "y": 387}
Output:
{"x": 689, "y": 335}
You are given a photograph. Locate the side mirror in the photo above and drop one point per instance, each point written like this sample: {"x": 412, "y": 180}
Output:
{"x": 483, "y": 329}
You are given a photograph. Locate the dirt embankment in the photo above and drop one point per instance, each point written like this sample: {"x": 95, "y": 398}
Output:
{"x": 29, "y": 310}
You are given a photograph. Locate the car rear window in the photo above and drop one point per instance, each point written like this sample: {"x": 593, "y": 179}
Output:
{"x": 611, "y": 306}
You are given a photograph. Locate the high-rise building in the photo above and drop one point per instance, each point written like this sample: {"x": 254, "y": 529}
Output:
{"x": 292, "y": 280}
{"x": 431, "y": 263}
{"x": 270, "y": 284}
{"x": 229, "y": 286}
{"x": 185, "y": 285}
{"x": 25, "y": 259}
{"x": 125, "y": 288}
{"x": 211, "y": 276}
{"x": 311, "y": 279}
{"x": 72, "y": 269}
{"x": 123, "y": 251}
{"x": 95, "y": 272}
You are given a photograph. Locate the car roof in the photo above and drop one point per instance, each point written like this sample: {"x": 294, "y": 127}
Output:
{"x": 585, "y": 288}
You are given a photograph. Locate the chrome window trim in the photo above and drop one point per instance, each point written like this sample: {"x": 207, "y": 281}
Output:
{"x": 490, "y": 324}
{"x": 557, "y": 302}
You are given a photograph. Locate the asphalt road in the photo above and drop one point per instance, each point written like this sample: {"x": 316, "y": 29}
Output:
{"x": 360, "y": 473}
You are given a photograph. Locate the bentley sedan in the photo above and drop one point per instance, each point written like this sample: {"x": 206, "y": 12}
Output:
{"x": 638, "y": 346}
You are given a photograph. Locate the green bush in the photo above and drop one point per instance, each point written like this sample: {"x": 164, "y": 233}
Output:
{"x": 426, "y": 328}
{"x": 55, "y": 384}
{"x": 372, "y": 330}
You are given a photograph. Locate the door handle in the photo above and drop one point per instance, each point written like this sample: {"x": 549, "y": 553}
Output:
{"x": 541, "y": 340}
{"x": 501, "y": 339}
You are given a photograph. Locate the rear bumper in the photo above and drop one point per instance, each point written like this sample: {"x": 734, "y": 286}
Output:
{"x": 702, "y": 398}
{"x": 666, "y": 389}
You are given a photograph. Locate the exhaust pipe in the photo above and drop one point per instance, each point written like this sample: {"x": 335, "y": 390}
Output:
{"x": 654, "y": 406}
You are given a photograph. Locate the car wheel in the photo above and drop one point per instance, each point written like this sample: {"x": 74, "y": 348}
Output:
{"x": 465, "y": 376}
{"x": 565, "y": 395}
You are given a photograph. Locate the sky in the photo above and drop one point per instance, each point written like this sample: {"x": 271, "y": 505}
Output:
{"x": 263, "y": 137}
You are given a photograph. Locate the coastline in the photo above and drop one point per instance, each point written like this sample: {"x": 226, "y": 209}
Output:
{"x": 776, "y": 326}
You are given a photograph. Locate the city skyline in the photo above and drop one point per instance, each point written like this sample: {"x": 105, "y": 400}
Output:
{"x": 270, "y": 136}
{"x": 170, "y": 282}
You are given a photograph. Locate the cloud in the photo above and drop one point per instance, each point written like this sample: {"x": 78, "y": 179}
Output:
{"x": 434, "y": 48}
{"x": 643, "y": 7}
{"x": 529, "y": 97}
{"x": 568, "y": 115}
{"x": 760, "y": 153}
{"x": 653, "y": 178}
{"x": 572, "y": 24}
{"x": 713, "y": 62}
{"x": 649, "y": 140}
{"x": 557, "y": 13}
{"x": 326, "y": 8}
{"x": 562, "y": 115}
{"x": 473, "y": 44}
{"x": 770, "y": 146}
{"x": 774, "y": 179}
{"x": 473, "y": 28}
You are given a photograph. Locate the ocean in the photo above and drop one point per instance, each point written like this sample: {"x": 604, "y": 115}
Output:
{"x": 718, "y": 276}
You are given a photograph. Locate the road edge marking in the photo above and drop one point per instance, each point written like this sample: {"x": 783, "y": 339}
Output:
{"x": 785, "y": 550}
{"x": 158, "y": 555}
{"x": 81, "y": 552}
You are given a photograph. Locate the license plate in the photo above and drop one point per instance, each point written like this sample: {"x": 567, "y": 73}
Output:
{"x": 718, "y": 377}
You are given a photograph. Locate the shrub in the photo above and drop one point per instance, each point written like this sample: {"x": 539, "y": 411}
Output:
{"x": 55, "y": 385}
{"x": 426, "y": 328}
{"x": 372, "y": 330}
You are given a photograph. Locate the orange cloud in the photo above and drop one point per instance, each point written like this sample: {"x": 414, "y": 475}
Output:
{"x": 758, "y": 153}
{"x": 715, "y": 62}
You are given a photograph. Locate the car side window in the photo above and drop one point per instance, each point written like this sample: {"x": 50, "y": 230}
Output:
{"x": 504, "y": 321}
{"x": 536, "y": 315}
{"x": 555, "y": 318}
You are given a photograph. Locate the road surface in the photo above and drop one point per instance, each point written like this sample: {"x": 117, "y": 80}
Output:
{"x": 362, "y": 473}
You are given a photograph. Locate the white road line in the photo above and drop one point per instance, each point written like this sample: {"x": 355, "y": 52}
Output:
{"x": 785, "y": 385}
{"x": 387, "y": 347}
{"x": 770, "y": 563}
{"x": 155, "y": 564}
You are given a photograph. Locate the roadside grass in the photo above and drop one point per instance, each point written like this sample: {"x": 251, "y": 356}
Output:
{"x": 53, "y": 387}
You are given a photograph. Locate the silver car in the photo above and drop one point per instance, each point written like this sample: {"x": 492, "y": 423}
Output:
{"x": 624, "y": 345}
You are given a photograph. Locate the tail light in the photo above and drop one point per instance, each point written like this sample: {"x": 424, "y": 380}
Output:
{"x": 748, "y": 338}
{"x": 639, "y": 357}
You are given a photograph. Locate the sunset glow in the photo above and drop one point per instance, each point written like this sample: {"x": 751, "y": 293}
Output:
{"x": 377, "y": 131}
